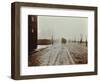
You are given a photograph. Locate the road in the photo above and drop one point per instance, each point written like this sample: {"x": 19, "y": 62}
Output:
{"x": 57, "y": 54}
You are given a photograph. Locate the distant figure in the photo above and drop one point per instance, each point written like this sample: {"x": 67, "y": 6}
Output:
{"x": 63, "y": 41}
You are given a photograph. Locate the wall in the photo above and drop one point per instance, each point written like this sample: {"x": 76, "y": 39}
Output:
{"x": 5, "y": 40}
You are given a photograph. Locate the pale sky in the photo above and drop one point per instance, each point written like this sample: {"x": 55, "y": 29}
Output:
{"x": 67, "y": 27}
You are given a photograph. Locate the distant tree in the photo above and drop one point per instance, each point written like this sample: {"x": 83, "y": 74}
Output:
{"x": 74, "y": 41}
{"x": 86, "y": 42}
{"x": 81, "y": 39}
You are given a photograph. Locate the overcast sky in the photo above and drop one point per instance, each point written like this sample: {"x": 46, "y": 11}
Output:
{"x": 67, "y": 27}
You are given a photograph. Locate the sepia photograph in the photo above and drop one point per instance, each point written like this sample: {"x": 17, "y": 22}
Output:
{"x": 53, "y": 40}
{"x": 57, "y": 40}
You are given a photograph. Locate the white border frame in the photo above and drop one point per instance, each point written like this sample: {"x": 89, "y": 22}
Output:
{"x": 25, "y": 70}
